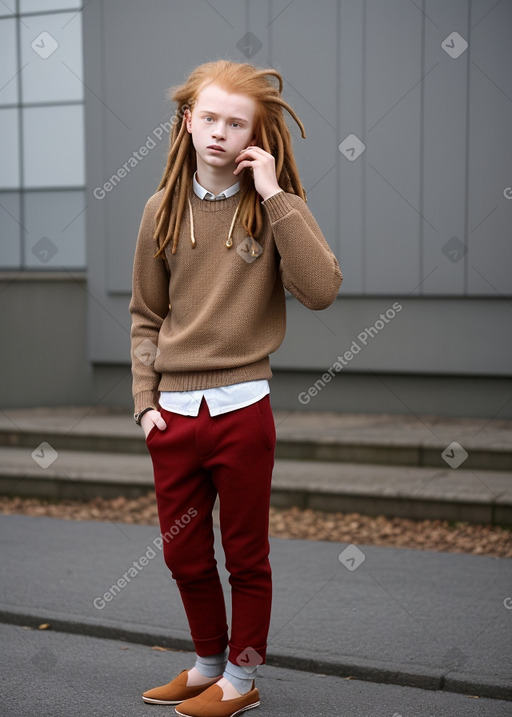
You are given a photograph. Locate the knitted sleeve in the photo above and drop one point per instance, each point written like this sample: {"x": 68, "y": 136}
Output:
{"x": 309, "y": 269}
{"x": 149, "y": 306}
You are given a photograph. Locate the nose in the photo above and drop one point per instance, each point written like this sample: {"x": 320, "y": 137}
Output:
{"x": 219, "y": 131}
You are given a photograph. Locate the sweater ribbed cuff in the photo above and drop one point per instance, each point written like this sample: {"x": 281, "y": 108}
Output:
{"x": 143, "y": 400}
{"x": 277, "y": 206}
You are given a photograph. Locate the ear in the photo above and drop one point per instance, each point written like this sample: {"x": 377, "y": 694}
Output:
{"x": 188, "y": 120}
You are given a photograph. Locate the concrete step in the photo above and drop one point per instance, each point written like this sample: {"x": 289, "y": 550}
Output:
{"x": 402, "y": 440}
{"x": 404, "y": 491}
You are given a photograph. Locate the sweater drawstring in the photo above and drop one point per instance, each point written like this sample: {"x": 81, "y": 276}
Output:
{"x": 229, "y": 241}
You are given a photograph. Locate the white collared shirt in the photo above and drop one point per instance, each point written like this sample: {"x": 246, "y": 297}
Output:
{"x": 203, "y": 193}
{"x": 226, "y": 398}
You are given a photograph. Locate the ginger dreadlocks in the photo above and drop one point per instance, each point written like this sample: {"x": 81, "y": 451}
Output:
{"x": 270, "y": 131}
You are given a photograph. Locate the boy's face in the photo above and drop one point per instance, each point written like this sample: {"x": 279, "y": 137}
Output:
{"x": 221, "y": 126}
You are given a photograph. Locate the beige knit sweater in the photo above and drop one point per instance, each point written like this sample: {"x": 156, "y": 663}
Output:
{"x": 215, "y": 317}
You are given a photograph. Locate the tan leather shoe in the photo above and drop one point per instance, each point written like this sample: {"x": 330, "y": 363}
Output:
{"x": 175, "y": 691}
{"x": 210, "y": 704}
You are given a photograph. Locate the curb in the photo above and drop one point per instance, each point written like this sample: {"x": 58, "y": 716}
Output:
{"x": 413, "y": 492}
{"x": 345, "y": 667}
{"x": 299, "y": 448}
{"x": 497, "y": 512}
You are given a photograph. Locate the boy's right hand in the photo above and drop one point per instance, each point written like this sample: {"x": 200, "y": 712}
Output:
{"x": 150, "y": 419}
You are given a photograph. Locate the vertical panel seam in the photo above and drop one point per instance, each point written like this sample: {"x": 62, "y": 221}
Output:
{"x": 363, "y": 164}
{"x": 103, "y": 215}
{"x": 270, "y": 50}
{"x": 338, "y": 220}
{"x": 421, "y": 188}
{"x": 465, "y": 289}
{"x": 21, "y": 176}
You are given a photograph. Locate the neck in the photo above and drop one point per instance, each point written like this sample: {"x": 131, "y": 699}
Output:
{"x": 215, "y": 180}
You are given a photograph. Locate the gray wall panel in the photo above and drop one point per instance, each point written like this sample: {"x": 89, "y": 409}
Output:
{"x": 428, "y": 335}
{"x": 129, "y": 88}
{"x": 490, "y": 154}
{"x": 404, "y": 394}
{"x": 393, "y": 68}
{"x": 96, "y": 215}
{"x": 351, "y": 174}
{"x": 349, "y": 68}
{"x": 307, "y": 34}
{"x": 162, "y": 54}
{"x": 43, "y": 361}
{"x": 444, "y": 151}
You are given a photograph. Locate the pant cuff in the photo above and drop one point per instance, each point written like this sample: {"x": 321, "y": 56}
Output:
{"x": 211, "y": 646}
{"x": 249, "y": 657}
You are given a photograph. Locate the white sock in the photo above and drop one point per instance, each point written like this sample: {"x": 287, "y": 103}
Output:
{"x": 240, "y": 677}
{"x": 211, "y": 665}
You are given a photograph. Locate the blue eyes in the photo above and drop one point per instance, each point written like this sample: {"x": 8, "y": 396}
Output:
{"x": 236, "y": 125}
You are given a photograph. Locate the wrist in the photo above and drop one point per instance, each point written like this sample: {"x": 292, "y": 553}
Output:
{"x": 270, "y": 193}
{"x": 138, "y": 416}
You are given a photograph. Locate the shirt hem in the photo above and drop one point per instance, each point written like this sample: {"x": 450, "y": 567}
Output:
{"x": 216, "y": 411}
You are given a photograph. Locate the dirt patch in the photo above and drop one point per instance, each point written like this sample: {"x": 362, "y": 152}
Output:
{"x": 437, "y": 535}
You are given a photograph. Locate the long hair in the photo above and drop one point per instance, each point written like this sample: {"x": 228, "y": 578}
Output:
{"x": 271, "y": 134}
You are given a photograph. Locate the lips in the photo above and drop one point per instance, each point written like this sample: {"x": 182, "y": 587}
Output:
{"x": 216, "y": 148}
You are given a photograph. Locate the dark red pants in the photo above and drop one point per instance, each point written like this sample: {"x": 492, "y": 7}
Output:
{"x": 194, "y": 459}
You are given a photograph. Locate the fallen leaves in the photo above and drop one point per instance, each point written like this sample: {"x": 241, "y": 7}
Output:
{"x": 438, "y": 535}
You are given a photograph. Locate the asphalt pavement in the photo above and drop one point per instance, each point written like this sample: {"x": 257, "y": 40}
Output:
{"x": 47, "y": 673}
{"x": 419, "y": 633}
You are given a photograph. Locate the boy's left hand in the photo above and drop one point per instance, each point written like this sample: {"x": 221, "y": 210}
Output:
{"x": 263, "y": 170}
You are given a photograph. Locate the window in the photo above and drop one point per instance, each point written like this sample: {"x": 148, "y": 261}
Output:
{"x": 42, "y": 170}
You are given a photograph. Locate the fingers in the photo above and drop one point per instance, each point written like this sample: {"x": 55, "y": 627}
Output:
{"x": 150, "y": 419}
{"x": 255, "y": 152}
{"x": 253, "y": 157}
{"x": 262, "y": 167}
{"x": 242, "y": 165}
{"x": 160, "y": 423}
{"x": 256, "y": 148}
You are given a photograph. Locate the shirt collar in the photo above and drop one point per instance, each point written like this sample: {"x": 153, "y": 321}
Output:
{"x": 203, "y": 193}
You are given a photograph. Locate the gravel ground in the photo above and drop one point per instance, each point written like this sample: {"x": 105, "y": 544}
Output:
{"x": 438, "y": 535}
